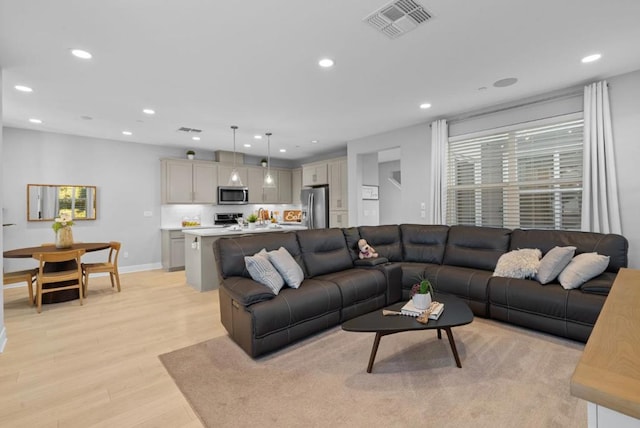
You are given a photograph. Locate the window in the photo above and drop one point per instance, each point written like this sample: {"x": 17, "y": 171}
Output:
{"x": 525, "y": 176}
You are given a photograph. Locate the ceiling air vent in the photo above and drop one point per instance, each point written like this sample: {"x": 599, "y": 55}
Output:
{"x": 398, "y": 17}
{"x": 185, "y": 129}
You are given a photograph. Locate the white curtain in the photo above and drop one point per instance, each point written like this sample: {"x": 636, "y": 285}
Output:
{"x": 436, "y": 213}
{"x": 600, "y": 207}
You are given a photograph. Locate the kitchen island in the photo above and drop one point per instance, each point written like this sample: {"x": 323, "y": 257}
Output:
{"x": 200, "y": 266}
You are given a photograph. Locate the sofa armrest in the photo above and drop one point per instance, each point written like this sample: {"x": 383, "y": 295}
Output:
{"x": 370, "y": 262}
{"x": 246, "y": 291}
{"x": 599, "y": 285}
{"x": 393, "y": 274}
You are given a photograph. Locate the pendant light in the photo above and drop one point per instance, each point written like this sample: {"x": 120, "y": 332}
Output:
{"x": 269, "y": 182}
{"x": 234, "y": 178}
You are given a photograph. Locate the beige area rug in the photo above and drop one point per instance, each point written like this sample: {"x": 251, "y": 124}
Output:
{"x": 510, "y": 377}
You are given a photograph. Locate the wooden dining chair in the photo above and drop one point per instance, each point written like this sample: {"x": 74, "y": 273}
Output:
{"x": 28, "y": 276}
{"x": 110, "y": 267}
{"x": 58, "y": 280}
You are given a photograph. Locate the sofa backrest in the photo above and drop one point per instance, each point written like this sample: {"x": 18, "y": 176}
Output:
{"x": 476, "y": 247}
{"x": 423, "y": 243}
{"x": 385, "y": 240}
{"x": 324, "y": 251}
{"x": 352, "y": 236}
{"x": 231, "y": 251}
{"x": 612, "y": 245}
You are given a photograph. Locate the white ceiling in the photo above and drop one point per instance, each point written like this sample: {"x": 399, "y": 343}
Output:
{"x": 211, "y": 64}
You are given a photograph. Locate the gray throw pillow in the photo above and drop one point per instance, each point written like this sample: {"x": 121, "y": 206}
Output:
{"x": 262, "y": 271}
{"x": 582, "y": 268}
{"x": 553, "y": 263}
{"x": 287, "y": 267}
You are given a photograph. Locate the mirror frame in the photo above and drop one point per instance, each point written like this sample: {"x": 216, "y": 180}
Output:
{"x": 91, "y": 203}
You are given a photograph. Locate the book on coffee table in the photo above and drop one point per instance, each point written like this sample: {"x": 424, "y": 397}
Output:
{"x": 410, "y": 310}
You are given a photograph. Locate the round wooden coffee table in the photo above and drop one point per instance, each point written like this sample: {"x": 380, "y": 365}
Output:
{"x": 456, "y": 313}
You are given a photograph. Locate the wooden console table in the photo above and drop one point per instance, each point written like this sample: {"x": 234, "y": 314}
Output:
{"x": 608, "y": 373}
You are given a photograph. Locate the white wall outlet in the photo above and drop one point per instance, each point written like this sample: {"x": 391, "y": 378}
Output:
{"x": 423, "y": 206}
{"x": 423, "y": 214}
{"x": 148, "y": 213}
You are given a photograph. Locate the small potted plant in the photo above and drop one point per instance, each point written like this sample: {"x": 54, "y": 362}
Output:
{"x": 190, "y": 154}
{"x": 263, "y": 162}
{"x": 421, "y": 293}
{"x": 251, "y": 219}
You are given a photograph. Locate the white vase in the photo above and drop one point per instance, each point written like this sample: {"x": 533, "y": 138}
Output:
{"x": 190, "y": 156}
{"x": 421, "y": 301}
{"x": 64, "y": 237}
{"x": 252, "y": 225}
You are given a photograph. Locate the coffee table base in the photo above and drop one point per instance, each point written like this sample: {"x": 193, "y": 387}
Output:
{"x": 379, "y": 334}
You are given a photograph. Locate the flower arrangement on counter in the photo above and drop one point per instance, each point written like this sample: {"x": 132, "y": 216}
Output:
{"x": 62, "y": 221}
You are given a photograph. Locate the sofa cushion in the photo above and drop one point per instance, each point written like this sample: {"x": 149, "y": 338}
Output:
{"x": 357, "y": 285}
{"x": 521, "y": 263}
{"x": 295, "y": 306}
{"x": 324, "y": 251}
{"x": 423, "y": 243}
{"x": 385, "y": 239}
{"x": 262, "y": 271}
{"x": 553, "y": 263}
{"x": 582, "y": 268}
{"x": 230, "y": 251}
{"x": 286, "y": 266}
{"x": 476, "y": 247}
{"x": 612, "y": 245}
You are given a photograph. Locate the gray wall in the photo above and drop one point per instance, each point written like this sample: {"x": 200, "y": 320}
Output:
{"x": 414, "y": 143}
{"x": 127, "y": 176}
{"x": 624, "y": 94}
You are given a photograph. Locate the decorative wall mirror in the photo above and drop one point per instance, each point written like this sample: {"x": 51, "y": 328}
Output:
{"x": 45, "y": 202}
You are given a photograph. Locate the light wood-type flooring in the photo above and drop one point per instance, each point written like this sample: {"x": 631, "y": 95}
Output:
{"x": 97, "y": 365}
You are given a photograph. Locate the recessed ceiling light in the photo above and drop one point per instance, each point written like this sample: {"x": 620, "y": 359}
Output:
{"x": 258, "y": 137}
{"x": 81, "y": 54}
{"x": 195, "y": 138}
{"x": 34, "y": 120}
{"x": 314, "y": 141}
{"x": 283, "y": 150}
{"x": 127, "y": 133}
{"x": 149, "y": 111}
{"x": 503, "y": 83}
{"x": 247, "y": 145}
{"x": 23, "y": 88}
{"x": 425, "y": 106}
{"x": 326, "y": 62}
{"x": 591, "y": 58}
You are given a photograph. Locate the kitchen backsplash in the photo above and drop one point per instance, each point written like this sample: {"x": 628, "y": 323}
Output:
{"x": 172, "y": 215}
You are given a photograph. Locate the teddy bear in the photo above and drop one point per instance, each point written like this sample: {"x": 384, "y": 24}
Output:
{"x": 366, "y": 250}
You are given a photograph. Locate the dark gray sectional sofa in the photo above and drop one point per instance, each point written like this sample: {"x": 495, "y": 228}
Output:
{"x": 458, "y": 260}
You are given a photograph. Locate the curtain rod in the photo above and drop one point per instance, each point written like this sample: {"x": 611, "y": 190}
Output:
{"x": 569, "y": 94}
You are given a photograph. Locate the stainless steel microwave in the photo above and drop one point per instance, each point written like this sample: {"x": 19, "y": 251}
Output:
{"x": 233, "y": 195}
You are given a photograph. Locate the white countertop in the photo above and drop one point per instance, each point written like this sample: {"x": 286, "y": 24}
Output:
{"x": 209, "y": 226}
{"x": 225, "y": 231}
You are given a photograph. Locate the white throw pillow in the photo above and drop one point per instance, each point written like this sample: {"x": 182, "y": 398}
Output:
{"x": 262, "y": 271}
{"x": 286, "y": 265}
{"x": 518, "y": 263}
{"x": 582, "y": 268}
{"x": 553, "y": 263}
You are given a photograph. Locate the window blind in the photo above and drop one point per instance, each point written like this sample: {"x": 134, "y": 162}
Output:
{"x": 527, "y": 176}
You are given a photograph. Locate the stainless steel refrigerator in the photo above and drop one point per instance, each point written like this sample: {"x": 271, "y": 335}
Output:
{"x": 315, "y": 207}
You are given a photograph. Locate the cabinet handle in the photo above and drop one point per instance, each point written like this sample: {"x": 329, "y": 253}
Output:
{"x": 339, "y": 203}
{"x": 315, "y": 178}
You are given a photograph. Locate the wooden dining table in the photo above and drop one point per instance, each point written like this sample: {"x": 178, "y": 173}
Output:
{"x": 28, "y": 252}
